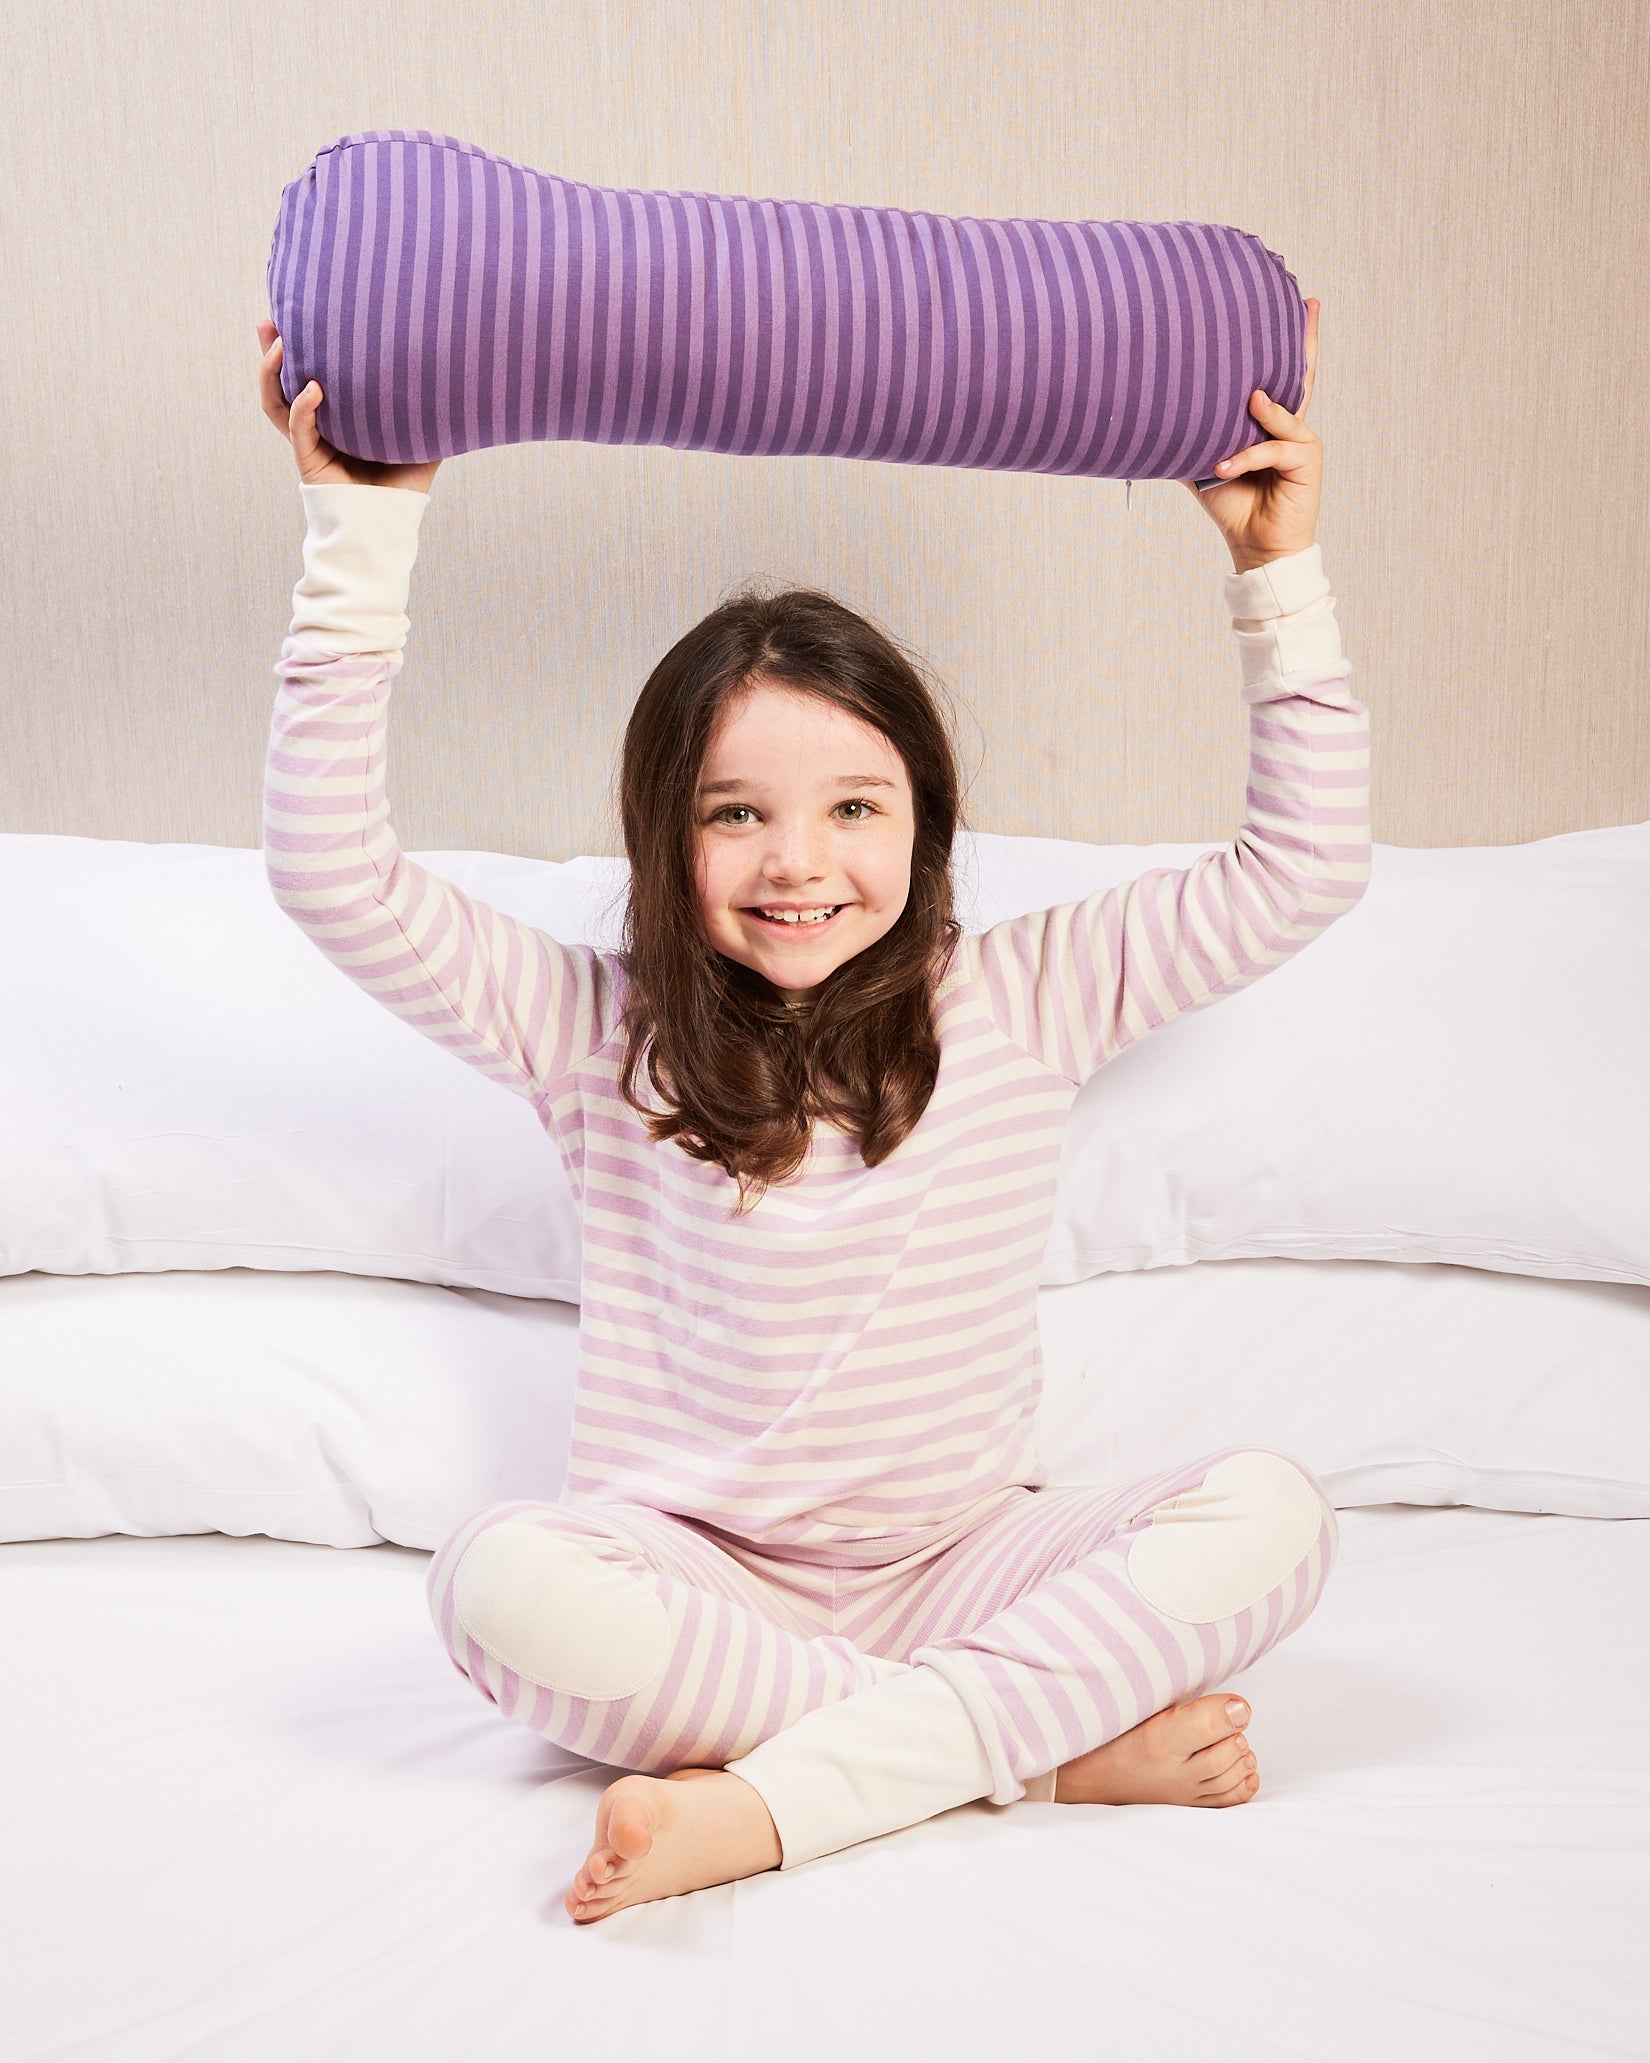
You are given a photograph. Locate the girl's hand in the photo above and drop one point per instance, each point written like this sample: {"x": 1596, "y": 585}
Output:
{"x": 318, "y": 463}
{"x": 1276, "y": 511}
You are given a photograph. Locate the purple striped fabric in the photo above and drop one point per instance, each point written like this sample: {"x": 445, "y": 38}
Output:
{"x": 447, "y": 299}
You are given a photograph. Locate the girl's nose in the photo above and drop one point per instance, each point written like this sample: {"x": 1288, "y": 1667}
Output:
{"x": 796, "y": 856}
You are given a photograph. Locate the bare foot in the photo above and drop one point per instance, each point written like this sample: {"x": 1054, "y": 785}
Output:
{"x": 1186, "y": 1755}
{"x": 658, "y": 1836}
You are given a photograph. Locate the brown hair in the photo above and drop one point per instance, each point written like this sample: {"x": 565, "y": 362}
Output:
{"x": 740, "y": 1074}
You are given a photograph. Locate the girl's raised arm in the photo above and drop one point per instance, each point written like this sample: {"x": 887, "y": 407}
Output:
{"x": 1075, "y": 985}
{"x": 507, "y": 999}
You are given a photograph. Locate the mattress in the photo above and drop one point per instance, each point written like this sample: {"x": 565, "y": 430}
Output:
{"x": 253, "y": 1813}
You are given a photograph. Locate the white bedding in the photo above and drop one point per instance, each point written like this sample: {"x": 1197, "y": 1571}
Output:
{"x": 253, "y": 1813}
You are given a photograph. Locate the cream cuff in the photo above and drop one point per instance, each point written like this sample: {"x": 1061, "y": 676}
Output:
{"x": 1289, "y": 643}
{"x": 885, "y": 1757}
{"x": 358, "y": 559}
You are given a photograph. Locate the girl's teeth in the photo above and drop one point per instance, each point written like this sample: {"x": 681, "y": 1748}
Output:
{"x": 801, "y": 916}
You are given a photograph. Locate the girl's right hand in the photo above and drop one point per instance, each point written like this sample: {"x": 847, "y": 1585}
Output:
{"x": 318, "y": 463}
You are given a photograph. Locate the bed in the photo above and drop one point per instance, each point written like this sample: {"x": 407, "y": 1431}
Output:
{"x": 264, "y": 1339}
{"x": 254, "y": 1822}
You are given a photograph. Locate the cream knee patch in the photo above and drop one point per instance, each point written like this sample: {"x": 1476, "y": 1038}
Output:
{"x": 558, "y": 1615}
{"x": 1220, "y": 1548}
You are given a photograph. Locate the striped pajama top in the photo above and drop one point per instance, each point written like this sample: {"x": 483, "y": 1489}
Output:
{"x": 852, "y": 1367}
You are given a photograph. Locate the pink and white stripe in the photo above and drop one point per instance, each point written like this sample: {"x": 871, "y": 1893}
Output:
{"x": 1030, "y": 1615}
{"x": 855, "y": 1361}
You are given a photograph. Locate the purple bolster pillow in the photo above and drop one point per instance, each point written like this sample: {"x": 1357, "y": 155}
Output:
{"x": 448, "y": 299}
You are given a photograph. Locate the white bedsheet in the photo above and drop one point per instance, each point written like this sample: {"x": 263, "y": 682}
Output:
{"x": 252, "y": 1812}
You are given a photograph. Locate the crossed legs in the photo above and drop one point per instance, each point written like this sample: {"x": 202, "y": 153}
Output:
{"x": 1049, "y": 1653}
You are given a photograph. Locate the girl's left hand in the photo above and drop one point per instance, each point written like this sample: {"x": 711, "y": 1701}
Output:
{"x": 1275, "y": 511}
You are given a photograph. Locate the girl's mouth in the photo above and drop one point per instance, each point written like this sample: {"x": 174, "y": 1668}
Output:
{"x": 781, "y": 917}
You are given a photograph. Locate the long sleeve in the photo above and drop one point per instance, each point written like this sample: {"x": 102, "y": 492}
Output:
{"x": 1074, "y": 985}
{"x": 500, "y": 995}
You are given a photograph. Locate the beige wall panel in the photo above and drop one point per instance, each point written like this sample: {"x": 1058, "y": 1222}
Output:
{"x": 1463, "y": 186}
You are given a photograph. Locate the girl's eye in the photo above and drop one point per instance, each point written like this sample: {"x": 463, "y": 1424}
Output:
{"x": 864, "y": 807}
{"x": 731, "y": 810}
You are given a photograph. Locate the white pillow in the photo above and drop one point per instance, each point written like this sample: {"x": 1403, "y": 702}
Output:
{"x": 1405, "y": 1384}
{"x": 347, "y": 1409}
{"x": 1453, "y": 1072}
{"x": 1458, "y": 1070}
{"x": 342, "y": 1409}
{"x": 205, "y": 1090}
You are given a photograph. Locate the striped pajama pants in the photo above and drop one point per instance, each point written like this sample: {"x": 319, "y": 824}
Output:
{"x": 861, "y": 1699}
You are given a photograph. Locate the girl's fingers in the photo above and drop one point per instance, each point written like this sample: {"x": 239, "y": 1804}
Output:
{"x": 296, "y": 422}
{"x": 305, "y": 436}
{"x": 1251, "y": 461}
{"x": 275, "y": 402}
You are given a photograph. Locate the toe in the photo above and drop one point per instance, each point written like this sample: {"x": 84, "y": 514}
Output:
{"x": 598, "y": 1872}
{"x": 591, "y": 1905}
{"x": 1238, "y": 1793}
{"x": 1211, "y": 1764}
{"x": 1235, "y": 1772}
{"x": 1214, "y": 1722}
{"x": 629, "y": 1829}
{"x": 624, "y": 1836}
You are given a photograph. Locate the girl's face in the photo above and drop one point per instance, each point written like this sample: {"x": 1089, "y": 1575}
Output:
{"x": 805, "y": 827}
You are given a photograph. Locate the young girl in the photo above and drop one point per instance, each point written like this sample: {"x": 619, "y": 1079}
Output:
{"x": 805, "y": 1580}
